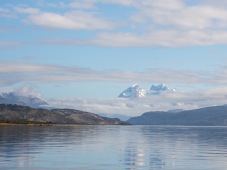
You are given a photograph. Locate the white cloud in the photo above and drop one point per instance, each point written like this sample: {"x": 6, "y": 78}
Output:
{"x": 172, "y": 23}
{"x": 162, "y": 4}
{"x": 23, "y": 72}
{"x": 5, "y": 13}
{"x": 75, "y": 20}
{"x": 191, "y": 17}
{"x": 218, "y": 3}
{"x": 7, "y": 68}
{"x": 88, "y": 4}
{"x": 76, "y": 4}
{"x": 27, "y": 91}
{"x": 120, "y": 2}
{"x": 135, "y": 107}
{"x": 59, "y": 4}
{"x": 14, "y": 73}
{"x": 27, "y": 10}
{"x": 166, "y": 38}
{"x": 164, "y": 23}
{"x": 81, "y": 4}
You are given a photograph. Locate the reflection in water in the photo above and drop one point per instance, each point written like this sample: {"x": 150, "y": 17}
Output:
{"x": 136, "y": 157}
{"x": 140, "y": 153}
{"x": 113, "y": 147}
{"x": 174, "y": 148}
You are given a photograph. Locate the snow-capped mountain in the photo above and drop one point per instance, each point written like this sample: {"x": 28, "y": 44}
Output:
{"x": 136, "y": 92}
{"x": 14, "y": 98}
{"x": 157, "y": 89}
{"x": 133, "y": 92}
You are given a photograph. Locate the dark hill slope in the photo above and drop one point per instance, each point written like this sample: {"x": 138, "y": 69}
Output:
{"x": 24, "y": 114}
{"x": 208, "y": 116}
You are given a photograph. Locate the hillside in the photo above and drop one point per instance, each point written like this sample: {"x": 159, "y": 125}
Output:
{"x": 24, "y": 114}
{"x": 209, "y": 116}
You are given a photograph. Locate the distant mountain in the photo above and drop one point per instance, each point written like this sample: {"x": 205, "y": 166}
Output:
{"x": 119, "y": 116}
{"x": 133, "y": 92}
{"x": 208, "y": 116}
{"x": 25, "y": 114}
{"x": 136, "y": 92}
{"x": 157, "y": 89}
{"x": 14, "y": 98}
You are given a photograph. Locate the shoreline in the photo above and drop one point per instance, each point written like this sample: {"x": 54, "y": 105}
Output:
{"x": 53, "y": 124}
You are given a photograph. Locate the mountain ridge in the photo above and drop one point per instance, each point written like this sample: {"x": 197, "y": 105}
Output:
{"x": 207, "y": 116}
{"x": 25, "y": 114}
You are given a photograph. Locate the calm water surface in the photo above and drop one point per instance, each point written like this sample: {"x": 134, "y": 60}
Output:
{"x": 113, "y": 148}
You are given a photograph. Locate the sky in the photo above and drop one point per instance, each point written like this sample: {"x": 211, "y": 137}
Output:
{"x": 83, "y": 54}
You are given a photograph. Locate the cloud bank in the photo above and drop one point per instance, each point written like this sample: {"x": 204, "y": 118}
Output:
{"x": 145, "y": 23}
{"x": 135, "y": 107}
{"x": 22, "y": 73}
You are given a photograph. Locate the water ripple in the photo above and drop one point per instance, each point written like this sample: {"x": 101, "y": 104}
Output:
{"x": 113, "y": 147}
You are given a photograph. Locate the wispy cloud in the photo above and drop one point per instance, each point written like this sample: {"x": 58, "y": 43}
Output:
{"x": 182, "y": 16}
{"x": 6, "y": 13}
{"x": 7, "y": 67}
{"x": 80, "y": 4}
{"x": 167, "y": 38}
{"x": 75, "y": 20}
{"x": 27, "y": 10}
{"x": 22, "y": 72}
{"x": 156, "y": 38}
{"x": 76, "y": 4}
{"x": 10, "y": 43}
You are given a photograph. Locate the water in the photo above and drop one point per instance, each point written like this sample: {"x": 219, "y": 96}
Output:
{"x": 113, "y": 148}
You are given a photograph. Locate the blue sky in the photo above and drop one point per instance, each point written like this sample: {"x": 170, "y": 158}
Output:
{"x": 90, "y": 51}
